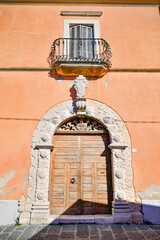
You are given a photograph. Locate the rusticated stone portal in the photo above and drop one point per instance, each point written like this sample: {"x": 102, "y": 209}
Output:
{"x": 36, "y": 208}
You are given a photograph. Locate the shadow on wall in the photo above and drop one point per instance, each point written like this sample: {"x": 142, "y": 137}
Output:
{"x": 66, "y": 81}
{"x": 53, "y": 74}
{"x": 151, "y": 211}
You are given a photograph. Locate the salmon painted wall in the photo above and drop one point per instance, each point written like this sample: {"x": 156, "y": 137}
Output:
{"x": 26, "y": 35}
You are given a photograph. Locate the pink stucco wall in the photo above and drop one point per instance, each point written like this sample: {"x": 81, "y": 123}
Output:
{"x": 26, "y": 35}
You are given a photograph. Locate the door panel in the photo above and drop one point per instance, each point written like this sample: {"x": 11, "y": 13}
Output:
{"x": 79, "y": 173}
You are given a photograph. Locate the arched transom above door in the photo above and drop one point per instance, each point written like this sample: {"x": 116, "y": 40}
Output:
{"x": 83, "y": 124}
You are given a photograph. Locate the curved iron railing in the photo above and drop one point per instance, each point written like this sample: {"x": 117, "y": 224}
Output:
{"x": 81, "y": 50}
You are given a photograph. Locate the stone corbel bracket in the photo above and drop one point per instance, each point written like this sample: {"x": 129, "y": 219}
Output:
{"x": 81, "y": 105}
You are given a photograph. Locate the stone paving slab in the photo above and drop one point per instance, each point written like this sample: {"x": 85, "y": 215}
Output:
{"x": 80, "y": 232}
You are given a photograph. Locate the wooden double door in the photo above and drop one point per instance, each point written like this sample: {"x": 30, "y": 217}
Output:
{"x": 81, "y": 181}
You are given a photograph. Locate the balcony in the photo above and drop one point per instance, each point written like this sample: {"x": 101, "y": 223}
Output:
{"x": 70, "y": 57}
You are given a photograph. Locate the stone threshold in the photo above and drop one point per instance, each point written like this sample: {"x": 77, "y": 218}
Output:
{"x": 74, "y": 219}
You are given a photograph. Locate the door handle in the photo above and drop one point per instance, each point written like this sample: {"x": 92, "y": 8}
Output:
{"x": 72, "y": 180}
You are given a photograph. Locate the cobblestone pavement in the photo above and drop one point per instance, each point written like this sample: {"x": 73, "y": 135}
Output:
{"x": 80, "y": 232}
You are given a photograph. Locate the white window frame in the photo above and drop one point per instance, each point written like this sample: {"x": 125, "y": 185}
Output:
{"x": 71, "y": 22}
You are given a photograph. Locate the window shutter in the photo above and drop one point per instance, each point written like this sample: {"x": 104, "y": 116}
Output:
{"x": 81, "y": 43}
{"x": 72, "y": 31}
{"x": 78, "y": 42}
{"x": 90, "y": 43}
{"x": 84, "y": 42}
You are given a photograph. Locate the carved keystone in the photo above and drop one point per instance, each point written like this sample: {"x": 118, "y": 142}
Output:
{"x": 80, "y": 85}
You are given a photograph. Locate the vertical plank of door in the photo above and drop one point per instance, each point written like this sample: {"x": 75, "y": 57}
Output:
{"x": 51, "y": 180}
{"x": 79, "y": 186}
{"x": 92, "y": 165}
{"x": 66, "y": 185}
{"x": 95, "y": 187}
{"x": 80, "y": 149}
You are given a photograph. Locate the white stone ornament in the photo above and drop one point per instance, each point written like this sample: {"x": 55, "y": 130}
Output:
{"x": 41, "y": 174}
{"x": 117, "y": 154}
{"x": 80, "y": 85}
{"x": 117, "y": 138}
{"x": 55, "y": 120}
{"x": 107, "y": 120}
{"x": 120, "y": 195}
{"x": 43, "y": 154}
{"x": 40, "y": 196}
{"x": 118, "y": 174}
{"x": 45, "y": 138}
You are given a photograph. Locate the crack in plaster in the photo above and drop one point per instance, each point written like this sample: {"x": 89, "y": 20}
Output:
{"x": 4, "y": 180}
{"x": 106, "y": 84}
{"x": 24, "y": 182}
{"x": 61, "y": 80}
{"x": 150, "y": 193}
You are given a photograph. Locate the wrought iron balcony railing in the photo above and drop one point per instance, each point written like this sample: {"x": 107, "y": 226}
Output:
{"x": 81, "y": 51}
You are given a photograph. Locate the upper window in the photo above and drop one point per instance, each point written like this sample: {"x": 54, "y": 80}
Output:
{"x": 80, "y": 34}
{"x": 81, "y": 43}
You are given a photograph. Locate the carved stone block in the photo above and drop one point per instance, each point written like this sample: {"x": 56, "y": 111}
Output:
{"x": 80, "y": 85}
{"x": 40, "y": 212}
{"x": 121, "y": 212}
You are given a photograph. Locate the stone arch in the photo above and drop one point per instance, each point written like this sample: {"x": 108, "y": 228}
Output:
{"x": 37, "y": 194}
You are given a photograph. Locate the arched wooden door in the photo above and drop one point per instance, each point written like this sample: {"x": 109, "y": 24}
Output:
{"x": 81, "y": 175}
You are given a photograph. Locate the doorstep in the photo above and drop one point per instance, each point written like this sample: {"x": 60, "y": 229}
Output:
{"x": 74, "y": 219}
